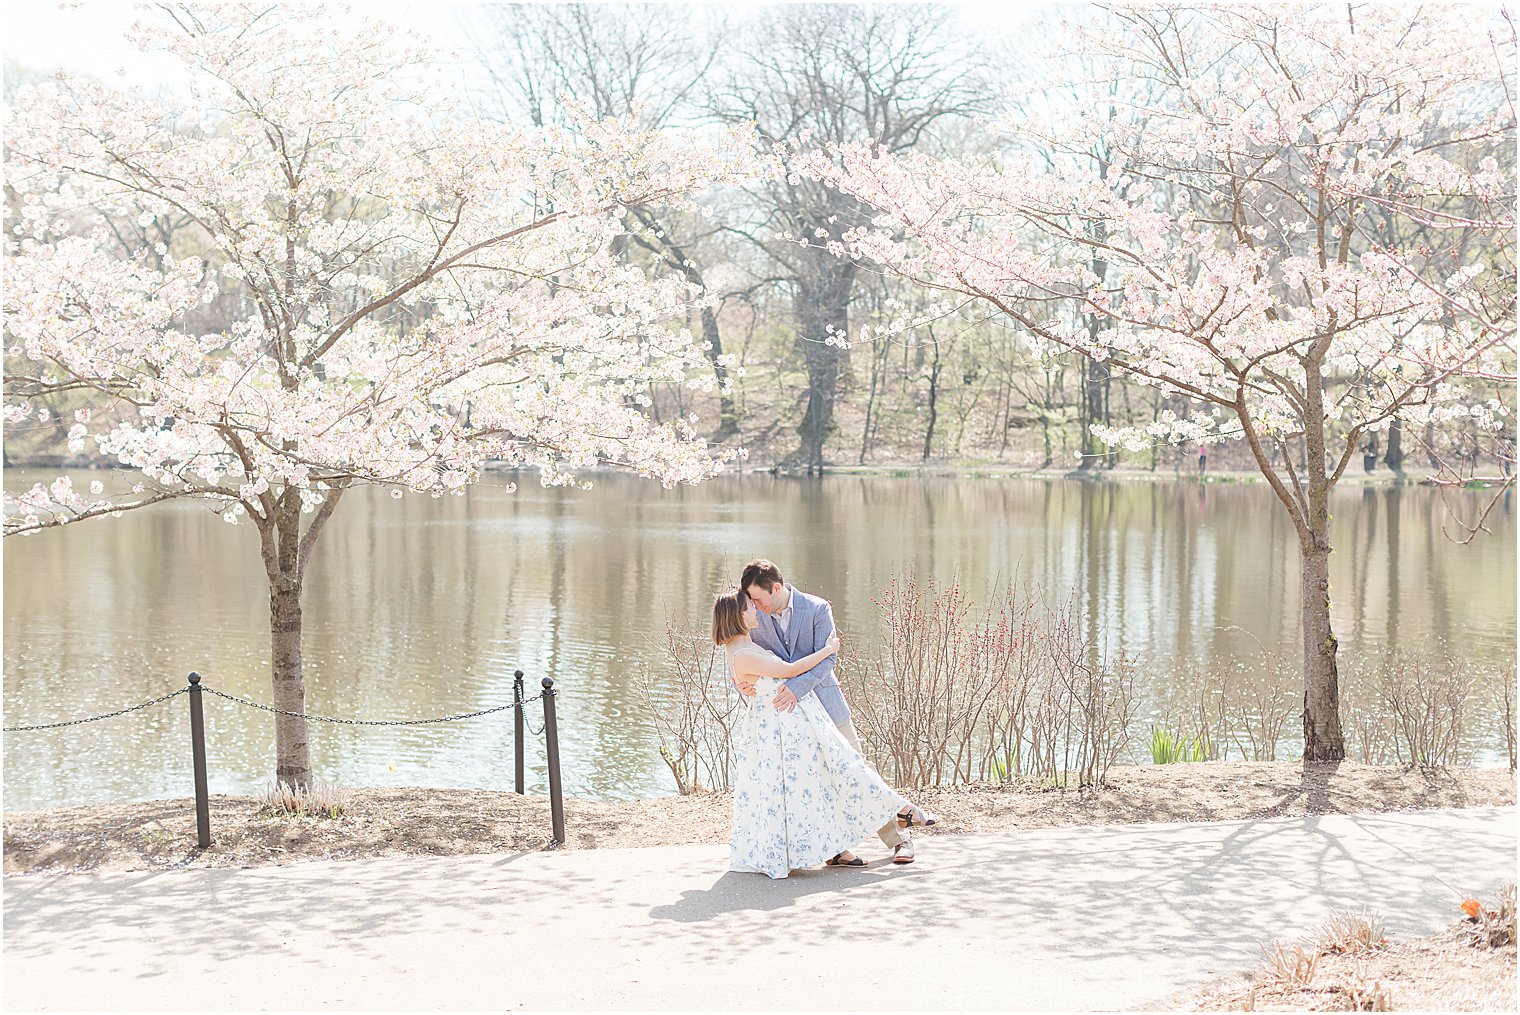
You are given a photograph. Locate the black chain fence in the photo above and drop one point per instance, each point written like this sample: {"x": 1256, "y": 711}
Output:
{"x": 97, "y": 718}
{"x": 282, "y": 711}
{"x": 367, "y": 722}
{"x": 548, "y": 730}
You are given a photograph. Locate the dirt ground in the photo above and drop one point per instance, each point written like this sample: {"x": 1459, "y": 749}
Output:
{"x": 1443, "y": 972}
{"x": 160, "y": 834}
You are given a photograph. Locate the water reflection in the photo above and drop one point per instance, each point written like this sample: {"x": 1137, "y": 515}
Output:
{"x": 425, "y": 607}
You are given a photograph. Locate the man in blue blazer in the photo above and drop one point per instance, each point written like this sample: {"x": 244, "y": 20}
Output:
{"x": 795, "y": 624}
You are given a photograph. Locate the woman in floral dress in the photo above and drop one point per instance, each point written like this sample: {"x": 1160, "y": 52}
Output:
{"x": 802, "y": 796}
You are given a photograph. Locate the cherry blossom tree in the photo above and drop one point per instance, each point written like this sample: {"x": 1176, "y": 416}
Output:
{"x": 1305, "y": 226}
{"x": 421, "y": 292}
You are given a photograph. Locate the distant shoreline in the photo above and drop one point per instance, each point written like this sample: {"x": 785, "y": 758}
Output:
{"x": 916, "y": 470}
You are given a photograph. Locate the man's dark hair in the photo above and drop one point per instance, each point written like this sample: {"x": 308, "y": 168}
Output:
{"x": 762, "y": 573}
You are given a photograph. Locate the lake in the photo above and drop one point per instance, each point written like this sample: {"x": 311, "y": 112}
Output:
{"x": 423, "y": 607}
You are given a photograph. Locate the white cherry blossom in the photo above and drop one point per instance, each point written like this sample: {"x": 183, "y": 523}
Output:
{"x": 423, "y": 293}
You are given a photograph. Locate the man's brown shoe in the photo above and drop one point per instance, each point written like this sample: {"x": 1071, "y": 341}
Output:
{"x": 903, "y": 852}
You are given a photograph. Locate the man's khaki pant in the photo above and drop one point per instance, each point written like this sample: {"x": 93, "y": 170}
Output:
{"x": 890, "y": 833}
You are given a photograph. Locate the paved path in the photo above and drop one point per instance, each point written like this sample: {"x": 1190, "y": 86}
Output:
{"x": 1049, "y": 919}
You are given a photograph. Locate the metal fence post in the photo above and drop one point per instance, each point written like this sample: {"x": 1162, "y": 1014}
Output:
{"x": 551, "y": 747}
{"x": 517, "y": 725}
{"x": 198, "y": 752}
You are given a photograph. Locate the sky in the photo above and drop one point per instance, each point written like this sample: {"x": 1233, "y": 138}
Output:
{"x": 87, "y": 37}
{"x": 43, "y": 35}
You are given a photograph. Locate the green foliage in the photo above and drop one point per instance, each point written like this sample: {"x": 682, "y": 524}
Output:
{"x": 1006, "y": 769}
{"x": 1164, "y": 747}
{"x": 1168, "y": 748}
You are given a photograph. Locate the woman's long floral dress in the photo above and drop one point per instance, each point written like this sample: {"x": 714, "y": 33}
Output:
{"x": 801, "y": 794}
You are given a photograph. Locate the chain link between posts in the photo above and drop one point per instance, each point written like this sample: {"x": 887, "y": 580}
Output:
{"x": 97, "y": 718}
{"x": 366, "y": 722}
{"x": 287, "y": 712}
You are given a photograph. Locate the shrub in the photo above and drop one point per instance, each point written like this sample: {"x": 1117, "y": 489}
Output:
{"x": 1364, "y": 722}
{"x": 1262, "y": 703}
{"x": 956, "y": 695}
{"x": 321, "y": 800}
{"x": 1425, "y": 698}
{"x": 1504, "y": 684}
{"x": 1492, "y": 926}
{"x": 1350, "y": 933}
{"x": 936, "y": 675}
{"x": 693, "y": 712}
{"x": 1168, "y": 748}
{"x": 1290, "y": 964}
{"x": 1165, "y": 746}
{"x": 1364, "y": 994}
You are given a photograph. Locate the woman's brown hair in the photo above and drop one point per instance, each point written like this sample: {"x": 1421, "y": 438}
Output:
{"x": 728, "y": 616}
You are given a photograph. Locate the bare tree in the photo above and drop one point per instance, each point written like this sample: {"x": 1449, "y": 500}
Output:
{"x": 891, "y": 75}
{"x": 646, "y": 61}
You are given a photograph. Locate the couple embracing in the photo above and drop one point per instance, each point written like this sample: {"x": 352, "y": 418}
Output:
{"x": 803, "y": 793}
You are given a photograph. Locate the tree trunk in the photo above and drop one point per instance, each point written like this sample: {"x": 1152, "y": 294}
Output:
{"x": 1155, "y": 445}
{"x": 1394, "y": 459}
{"x": 1045, "y": 411}
{"x": 933, "y": 401}
{"x": 656, "y": 240}
{"x": 1323, "y": 740}
{"x": 291, "y": 748}
{"x": 1096, "y": 375}
{"x": 1006, "y": 389}
{"x": 1095, "y": 381}
{"x": 820, "y": 305}
{"x": 818, "y": 419}
{"x": 728, "y": 416}
{"x": 1430, "y": 447}
{"x": 878, "y": 364}
{"x": 1308, "y": 504}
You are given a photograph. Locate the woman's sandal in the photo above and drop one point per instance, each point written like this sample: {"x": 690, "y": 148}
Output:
{"x": 835, "y": 861}
{"x": 916, "y": 816}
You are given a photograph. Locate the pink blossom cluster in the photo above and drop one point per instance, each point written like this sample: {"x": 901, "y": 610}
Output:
{"x": 1246, "y": 194}
{"x": 422, "y": 292}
